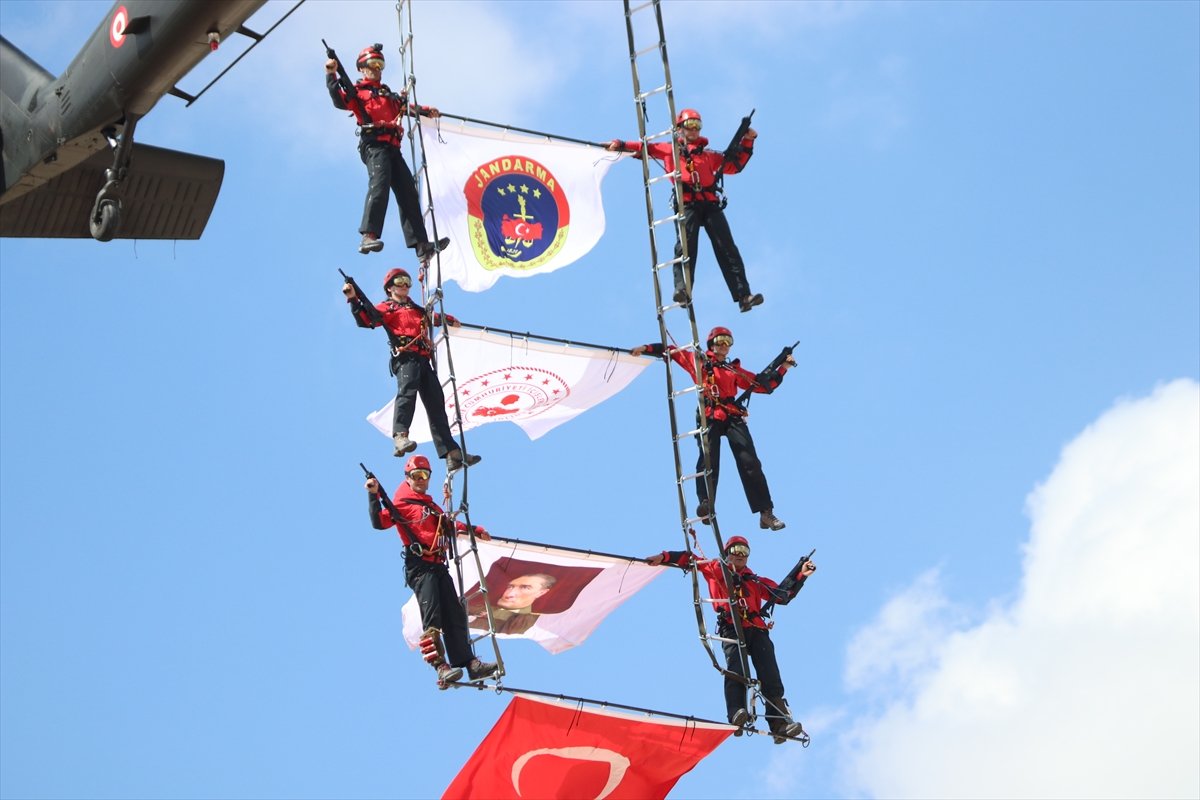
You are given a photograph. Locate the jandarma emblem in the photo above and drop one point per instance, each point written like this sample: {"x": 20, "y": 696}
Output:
{"x": 518, "y": 215}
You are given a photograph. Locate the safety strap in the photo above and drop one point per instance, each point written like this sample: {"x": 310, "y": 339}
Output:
{"x": 414, "y": 545}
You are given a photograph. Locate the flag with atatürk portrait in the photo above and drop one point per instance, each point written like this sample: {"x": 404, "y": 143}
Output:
{"x": 551, "y": 748}
{"x": 511, "y": 204}
{"x": 552, "y": 595}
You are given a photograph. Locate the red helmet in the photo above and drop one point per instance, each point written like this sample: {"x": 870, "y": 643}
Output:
{"x": 718, "y": 331}
{"x": 733, "y": 540}
{"x": 419, "y": 462}
{"x": 372, "y": 52}
{"x": 685, "y": 115}
{"x": 393, "y": 274}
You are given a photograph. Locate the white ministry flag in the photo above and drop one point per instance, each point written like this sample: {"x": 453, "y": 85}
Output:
{"x": 535, "y": 384}
{"x": 553, "y": 596}
{"x": 511, "y": 204}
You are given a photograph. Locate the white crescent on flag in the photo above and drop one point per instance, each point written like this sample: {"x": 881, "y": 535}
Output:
{"x": 534, "y": 384}
{"x": 552, "y": 748}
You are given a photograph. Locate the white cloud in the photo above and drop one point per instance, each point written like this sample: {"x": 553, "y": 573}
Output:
{"x": 1086, "y": 685}
{"x": 899, "y": 644}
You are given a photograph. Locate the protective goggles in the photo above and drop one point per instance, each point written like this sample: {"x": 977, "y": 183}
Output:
{"x": 374, "y": 63}
{"x": 419, "y": 474}
{"x": 724, "y": 339}
{"x": 690, "y": 124}
{"x": 401, "y": 280}
{"x": 739, "y": 550}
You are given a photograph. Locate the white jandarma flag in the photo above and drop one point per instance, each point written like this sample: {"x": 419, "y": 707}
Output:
{"x": 554, "y": 597}
{"x": 534, "y": 384}
{"x": 511, "y": 204}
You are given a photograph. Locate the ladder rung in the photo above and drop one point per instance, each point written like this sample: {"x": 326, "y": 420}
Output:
{"x": 671, "y": 218}
{"x": 690, "y": 477}
{"x": 720, "y": 639}
{"x": 672, "y": 262}
{"x": 660, "y": 135}
{"x": 666, "y": 176}
{"x": 687, "y": 434}
{"x": 649, "y": 49}
{"x": 636, "y": 9}
{"x": 654, "y": 91}
{"x": 688, "y": 390}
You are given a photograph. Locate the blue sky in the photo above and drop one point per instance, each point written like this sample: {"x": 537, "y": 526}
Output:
{"x": 979, "y": 219}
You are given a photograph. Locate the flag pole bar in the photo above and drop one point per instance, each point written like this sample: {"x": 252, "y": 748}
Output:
{"x": 566, "y": 549}
{"x": 602, "y": 703}
{"x": 523, "y": 130}
{"x": 528, "y": 335}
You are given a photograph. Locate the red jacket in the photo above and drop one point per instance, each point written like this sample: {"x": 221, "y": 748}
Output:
{"x": 406, "y": 323}
{"x": 699, "y": 171}
{"x": 422, "y": 521}
{"x": 753, "y": 591}
{"x": 381, "y": 104}
{"x": 722, "y": 382}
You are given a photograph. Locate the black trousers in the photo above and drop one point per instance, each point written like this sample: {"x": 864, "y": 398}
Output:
{"x": 711, "y": 217}
{"x": 386, "y": 170}
{"x": 440, "y": 607}
{"x": 754, "y": 482}
{"x": 416, "y": 376}
{"x": 760, "y": 651}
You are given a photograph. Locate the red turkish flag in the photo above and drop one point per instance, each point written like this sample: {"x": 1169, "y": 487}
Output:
{"x": 554, "y": 749}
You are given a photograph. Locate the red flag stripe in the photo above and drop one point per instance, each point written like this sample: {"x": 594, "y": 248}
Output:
{"x": 551, "y": 749}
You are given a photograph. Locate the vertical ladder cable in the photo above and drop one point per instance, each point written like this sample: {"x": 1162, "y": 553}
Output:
{"x": 421, "y": 175}
{"x": 664, "y": 96}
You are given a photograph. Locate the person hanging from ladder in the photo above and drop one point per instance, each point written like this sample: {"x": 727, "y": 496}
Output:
{"x": 753, "y": 599}
{"x": 407, "y": 325}
{"x": 425, "y": 530}
{"x": 380, "y": 112}
{"x": 702, "y": 174}
{"x": 720, "y": 381}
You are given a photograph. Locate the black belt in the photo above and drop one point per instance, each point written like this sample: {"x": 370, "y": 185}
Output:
{"x": 402, "y": 351}
{"x": 400, "y": 345}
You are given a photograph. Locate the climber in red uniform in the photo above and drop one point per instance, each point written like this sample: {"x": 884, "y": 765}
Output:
{"x": 425, "y": 530}
{"x": 721, "y": 380}
{"x": 754, "y": 597}
{"x": 407, "y": 325}
{"x": 380, "y": 112}
{"x": 701, "y": 174}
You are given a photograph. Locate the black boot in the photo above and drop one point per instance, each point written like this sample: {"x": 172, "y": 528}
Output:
{"x": 739, "y": 720}
{"x": 455, "y": 460}
{"x": 426, "y": 251}
{"x": 478, "y": 670}
{"x": 750, "y": 301}
{"x": 447, "y": 675}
